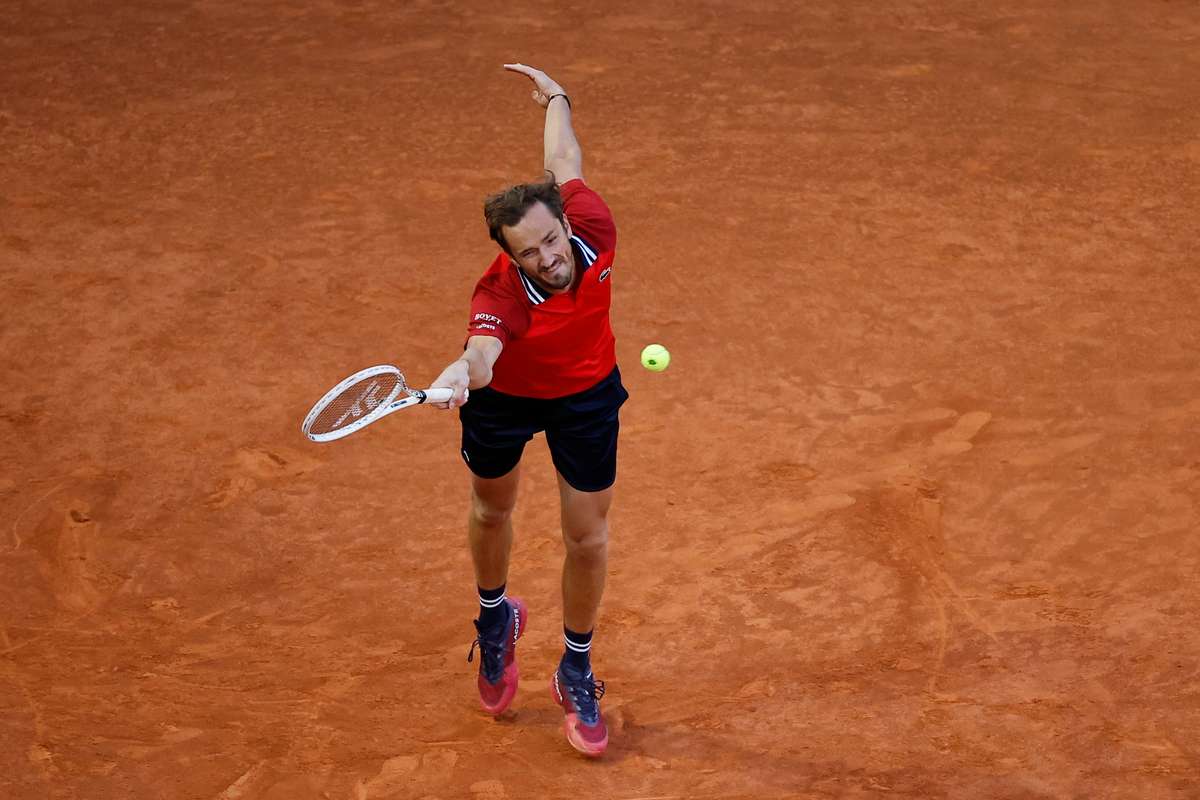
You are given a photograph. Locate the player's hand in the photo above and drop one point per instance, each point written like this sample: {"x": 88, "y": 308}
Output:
{"x": 546, "y": 87}
{"x": 456, "y": 376}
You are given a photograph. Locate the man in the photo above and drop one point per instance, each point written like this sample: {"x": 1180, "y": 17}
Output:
{"x": 541, "y": 357}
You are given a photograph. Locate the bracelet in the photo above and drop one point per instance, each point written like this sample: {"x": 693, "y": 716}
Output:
{"x": 563, "y": 96}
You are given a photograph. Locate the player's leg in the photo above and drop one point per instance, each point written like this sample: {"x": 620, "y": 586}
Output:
{"x": 583, "y": 444}
{"x": 585, "y": 567}
{"x": 494, "y": 436}
{"x": 489, "y": 526}
{"x": 502, "y": 619}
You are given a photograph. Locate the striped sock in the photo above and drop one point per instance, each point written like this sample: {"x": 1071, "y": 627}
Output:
{"x": 577, "y": 654}
{"x": 492, "y": 609}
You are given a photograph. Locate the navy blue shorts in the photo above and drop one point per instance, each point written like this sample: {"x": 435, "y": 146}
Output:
{"x": 581, "y": 430}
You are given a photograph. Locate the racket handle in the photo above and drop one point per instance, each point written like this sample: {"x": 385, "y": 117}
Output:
{"x": 440, "y": 395}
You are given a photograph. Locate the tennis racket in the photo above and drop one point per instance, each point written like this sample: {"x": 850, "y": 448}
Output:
{"x": 365, "y": 397}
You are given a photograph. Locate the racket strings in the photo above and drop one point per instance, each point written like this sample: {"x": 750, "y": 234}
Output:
{"x": 357, "y": 401}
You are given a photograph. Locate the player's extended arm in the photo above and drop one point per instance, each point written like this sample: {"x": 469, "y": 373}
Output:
{"x": 562, "y": 155}
{"x": 472, "y": 369}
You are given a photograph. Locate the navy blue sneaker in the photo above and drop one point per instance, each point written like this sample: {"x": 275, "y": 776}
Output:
{"x": 579, "y": 695}
{"x": 498, "y": 672}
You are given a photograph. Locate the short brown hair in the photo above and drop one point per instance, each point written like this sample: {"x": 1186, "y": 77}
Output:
{"x": 507, "y": 208}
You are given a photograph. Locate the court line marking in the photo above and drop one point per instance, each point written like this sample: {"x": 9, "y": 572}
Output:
{"x": 17, "y": 541}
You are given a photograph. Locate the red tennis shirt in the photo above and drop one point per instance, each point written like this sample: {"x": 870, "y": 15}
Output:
{"x": 554, "y": 344}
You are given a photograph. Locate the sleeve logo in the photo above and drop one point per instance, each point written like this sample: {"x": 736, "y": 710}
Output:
{"x": 488, "y": 318}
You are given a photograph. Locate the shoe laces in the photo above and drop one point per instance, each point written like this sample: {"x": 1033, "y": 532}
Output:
{"x": 491, "y": 650}
{"x": 585, "y": 692}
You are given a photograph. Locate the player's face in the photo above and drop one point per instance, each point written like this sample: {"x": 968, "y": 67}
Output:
{"x": 541, "y": 246}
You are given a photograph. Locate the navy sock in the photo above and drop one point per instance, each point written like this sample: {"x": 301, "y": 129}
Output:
{"x": 492, "y": 608}
{"x": 577, "y": 654}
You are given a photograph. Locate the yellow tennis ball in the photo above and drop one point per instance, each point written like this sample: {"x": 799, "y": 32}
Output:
{"x": 655, "y": 357}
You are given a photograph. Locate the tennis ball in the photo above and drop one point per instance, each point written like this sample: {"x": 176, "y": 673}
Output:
{"x": 655, "y": 357}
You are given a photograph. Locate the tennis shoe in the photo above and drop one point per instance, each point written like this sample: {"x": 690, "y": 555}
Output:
{"x": 497, "y": 645}
{"x": 579, "y": 695}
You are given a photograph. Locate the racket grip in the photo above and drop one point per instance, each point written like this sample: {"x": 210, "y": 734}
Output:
{"x": 439, "y": 395}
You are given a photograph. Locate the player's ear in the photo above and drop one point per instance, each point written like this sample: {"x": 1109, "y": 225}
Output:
{"x": 566, "y": 226}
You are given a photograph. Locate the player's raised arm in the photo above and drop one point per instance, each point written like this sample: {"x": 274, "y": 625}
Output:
{"x": 562, "y": 154}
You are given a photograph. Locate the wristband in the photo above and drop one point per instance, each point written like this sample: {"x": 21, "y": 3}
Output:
{"x": 563, "y": 96}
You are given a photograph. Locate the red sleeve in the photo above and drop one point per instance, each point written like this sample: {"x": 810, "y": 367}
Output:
{"x": 589, "y": 215}
{"x": 495, "y": 311}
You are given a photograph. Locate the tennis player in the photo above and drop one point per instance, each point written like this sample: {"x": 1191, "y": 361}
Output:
{"x": 540, "y": 356}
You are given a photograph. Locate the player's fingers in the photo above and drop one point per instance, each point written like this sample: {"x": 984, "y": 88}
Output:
{"x": 459, "y": 398}
{"x": 536, "y": 75}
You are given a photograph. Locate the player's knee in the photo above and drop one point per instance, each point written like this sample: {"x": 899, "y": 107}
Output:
{"x": 589, "y": 541}
{"x": 489, "y": 513}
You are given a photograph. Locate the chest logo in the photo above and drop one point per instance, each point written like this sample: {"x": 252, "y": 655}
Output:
{"x": 604, "y": 274}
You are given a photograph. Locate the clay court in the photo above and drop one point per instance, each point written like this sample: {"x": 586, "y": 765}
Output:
{"x": 913, "y": 513}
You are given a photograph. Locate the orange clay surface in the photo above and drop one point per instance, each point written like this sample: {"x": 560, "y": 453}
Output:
{"x": 913, "y": 513}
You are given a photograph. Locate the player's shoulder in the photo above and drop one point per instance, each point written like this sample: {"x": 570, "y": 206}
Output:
{"x": 501, "y": 291}
{"x": 576, "y": 190}
{"x": 499, "y": 306}
{"x": 499, "y": 278}
{"x": 589, "y": 215}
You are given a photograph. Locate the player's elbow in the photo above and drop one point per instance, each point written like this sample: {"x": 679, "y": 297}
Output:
{"x": 563, "y": 162}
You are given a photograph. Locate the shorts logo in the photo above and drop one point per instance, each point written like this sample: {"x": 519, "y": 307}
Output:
{"x": 604, "y": 274}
